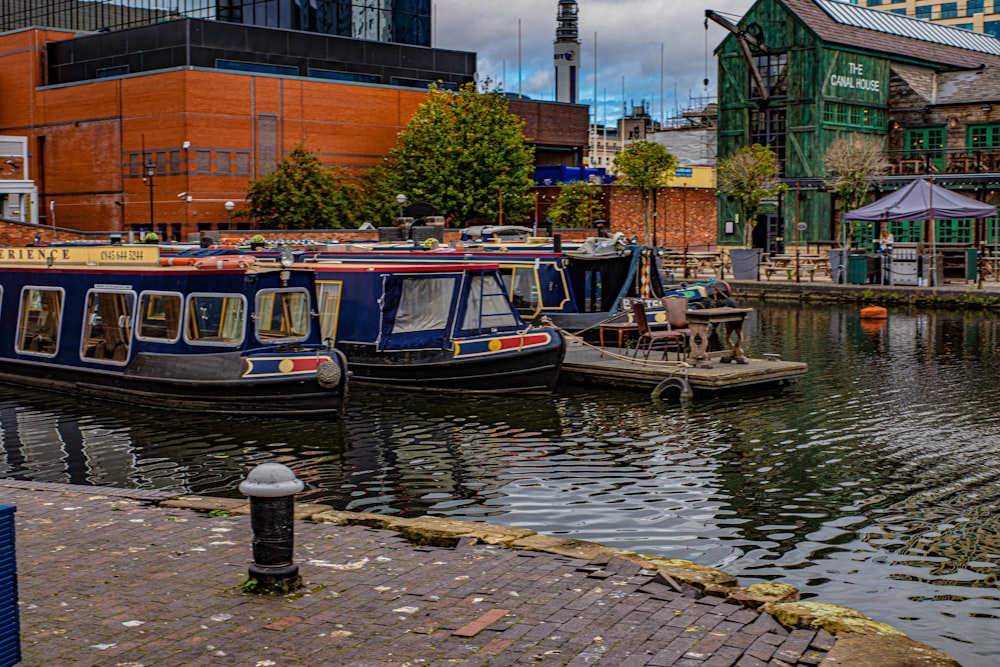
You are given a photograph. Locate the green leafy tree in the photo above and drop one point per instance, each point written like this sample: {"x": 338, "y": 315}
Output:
{"x": 852, "y": 162}
{"x": 645, "y": 166}
{"x": 466, "y": 154}
{"x": 302, "y": 194}
{"x": 578, "y": 205}
{"x": 749, "y": 176}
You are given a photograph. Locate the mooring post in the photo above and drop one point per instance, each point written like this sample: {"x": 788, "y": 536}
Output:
{"x": 271, "y": 488}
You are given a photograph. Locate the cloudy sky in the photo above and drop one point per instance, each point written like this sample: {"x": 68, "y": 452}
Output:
{"x": 629, "y": 35}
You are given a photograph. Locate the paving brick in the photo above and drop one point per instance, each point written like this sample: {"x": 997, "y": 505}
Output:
{"x": 370, "y": 598}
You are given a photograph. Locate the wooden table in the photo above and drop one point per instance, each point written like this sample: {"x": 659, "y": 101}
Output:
{"x": 701, "y": 322}
{"x": 621, "y": 328}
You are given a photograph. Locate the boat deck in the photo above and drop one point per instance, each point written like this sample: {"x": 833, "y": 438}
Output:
{"x": 585, "y": 363}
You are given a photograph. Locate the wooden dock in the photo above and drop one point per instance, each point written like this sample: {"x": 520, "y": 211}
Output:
{"x": 584, "y": 363}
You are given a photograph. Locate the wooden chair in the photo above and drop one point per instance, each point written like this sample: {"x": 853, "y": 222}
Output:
{"x": 648, "y": 337}
{"x": 676, "y": 308}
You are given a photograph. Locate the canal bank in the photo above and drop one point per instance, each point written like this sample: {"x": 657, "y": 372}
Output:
{"x": 984, "y": 295}
{"x": 125, "y": 577}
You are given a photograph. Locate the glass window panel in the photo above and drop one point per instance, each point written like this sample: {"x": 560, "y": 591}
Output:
{"x": 159, "y": 316}
{"x": 107, "y": 331}
{"x": 282, "y": 315}
{"x": 424, "y": 304}
{"x": 215, "y": 319}
{"x": 487, "y": 306}
{"x": 329, "y": 308}
{"x": 39, "y": 321}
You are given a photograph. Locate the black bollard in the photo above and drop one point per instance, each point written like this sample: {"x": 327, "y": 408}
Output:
{"x": 271, "y": 488}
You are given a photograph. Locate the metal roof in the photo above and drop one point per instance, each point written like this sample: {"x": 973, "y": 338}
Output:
{"x": 905, "y": 26}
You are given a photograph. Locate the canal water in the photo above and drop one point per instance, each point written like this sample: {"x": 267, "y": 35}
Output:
{"x": 873, "y": 483}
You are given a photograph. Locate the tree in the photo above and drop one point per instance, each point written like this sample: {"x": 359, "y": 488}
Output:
{"x": 466, "y": 154}
{"x": 852, "y": 162}
{"x": 749, "y": 176}
{"x": 302, "y": 194}
{"x": 578, "y": 205}
{"x": 645, "y": 166}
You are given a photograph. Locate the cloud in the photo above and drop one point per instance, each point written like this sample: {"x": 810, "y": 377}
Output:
{"x": 629, "y": 35}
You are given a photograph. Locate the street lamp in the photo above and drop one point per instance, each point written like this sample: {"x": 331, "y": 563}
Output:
{"x": 150, "y": 172}
{"x": 229, "y": 211}
{"x": 401, "y": 200}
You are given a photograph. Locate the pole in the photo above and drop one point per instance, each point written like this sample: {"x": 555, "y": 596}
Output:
{"x": 501, "y": 207}
{"x": 684, "y": 225}
{"x": 930, "y": 215}
{"x": 149, "y": 175}
{"x": 797, "y": 231}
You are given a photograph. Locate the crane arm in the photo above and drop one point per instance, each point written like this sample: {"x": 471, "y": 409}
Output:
{"x": 746, "y": 40}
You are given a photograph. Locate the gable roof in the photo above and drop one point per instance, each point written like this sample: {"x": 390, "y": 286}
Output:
{"x": 895, "y": 35}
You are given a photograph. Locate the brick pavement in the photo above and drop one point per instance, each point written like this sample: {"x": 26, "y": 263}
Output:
{"x": 107, "y": 579}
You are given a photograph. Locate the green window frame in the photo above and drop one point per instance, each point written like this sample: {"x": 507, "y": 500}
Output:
{"x": 926, "y": 142}
{"x": 854, "y": 115}
{"x": 957, "y": 230}
{"x": 906, "y": 231}
{"x": 983, "y": 136}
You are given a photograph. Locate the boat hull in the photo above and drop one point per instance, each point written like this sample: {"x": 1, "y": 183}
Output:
{"x": 260, "y": 397}
{"x": 526, "y": 370}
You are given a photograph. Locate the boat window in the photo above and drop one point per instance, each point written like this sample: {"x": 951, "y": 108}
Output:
{"x": 160, "y": 317}
{"x": 107, "y": 327}
{"x": 39, "y": 320}
{"x": 215, "y": 319}
{"x": 329, "y": 309}
{"x": 487, "y": 307}
{"x": 424, "y": 304}
{"x": 282, "y": 315}
{"x": 522, "y": 285}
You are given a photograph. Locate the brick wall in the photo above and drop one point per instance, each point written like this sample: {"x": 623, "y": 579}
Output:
{"x": 681, "y": 214}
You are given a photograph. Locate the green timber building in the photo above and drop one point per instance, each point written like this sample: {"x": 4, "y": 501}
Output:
{"x": 796, "y": 74}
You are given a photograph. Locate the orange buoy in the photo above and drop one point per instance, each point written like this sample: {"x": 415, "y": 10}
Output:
{"x": 225, "y": 262}
{"x": 178, "y": 261}
{"x": 874, "y": 313}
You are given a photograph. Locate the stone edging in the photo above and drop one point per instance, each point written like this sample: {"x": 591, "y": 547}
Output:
{"x": 861, "y": 641}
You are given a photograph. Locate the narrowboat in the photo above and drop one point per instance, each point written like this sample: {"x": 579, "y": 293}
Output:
{"x": 448, "y": 327}
{"x": 218, "y": 334}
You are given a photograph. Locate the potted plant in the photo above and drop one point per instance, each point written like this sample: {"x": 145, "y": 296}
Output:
{"x": 151, "y": 237}
{"x": 748, "y": 177}
{"x": 257, "y": 242}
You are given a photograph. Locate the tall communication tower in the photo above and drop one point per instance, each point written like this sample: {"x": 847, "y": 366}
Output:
{"x": 567, "y": 52}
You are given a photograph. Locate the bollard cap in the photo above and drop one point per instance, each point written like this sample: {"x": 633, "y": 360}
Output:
{"x": 271, "y": 480}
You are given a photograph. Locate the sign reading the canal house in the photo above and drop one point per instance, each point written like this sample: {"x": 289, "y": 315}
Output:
{"x": 855, "y": 78}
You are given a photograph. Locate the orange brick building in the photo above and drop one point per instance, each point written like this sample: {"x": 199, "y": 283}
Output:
{"x": 100, "y": 110}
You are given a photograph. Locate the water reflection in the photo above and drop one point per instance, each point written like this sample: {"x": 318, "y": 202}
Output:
{"x": 873, "y": 483}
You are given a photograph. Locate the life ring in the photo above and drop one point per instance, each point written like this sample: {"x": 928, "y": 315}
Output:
{"x": 874, "y": 313}
{"x": 225, "y": 262}
{"x": 223, "y": 246}
{"x": 178, "y": 261}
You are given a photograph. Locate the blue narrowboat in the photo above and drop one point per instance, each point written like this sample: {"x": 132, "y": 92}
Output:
{"x": 222, "y": 335}
{"x": 442, "y": 326}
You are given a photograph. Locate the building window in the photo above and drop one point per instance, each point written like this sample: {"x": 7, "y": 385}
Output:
{"x": 949, "y": 10}
{"x": 926, "y": 143}
{"x": 343, "y": 76}
{"x": 899, "y": 11}
{"x": 973, "y": 7}
{"x": 853, "y": 115}
{"x": 108, "y": 72}
{"x": 767, "y": 128}
{"x": 924, "y": 12}
{"x": 773, "y": 71}
{"x": 260, "y": 68}
{"x": 983, "y": 136}
{"x": 874, "y": 3}
{"x": 992, "y": 28}
{"x": 958, "y": 230}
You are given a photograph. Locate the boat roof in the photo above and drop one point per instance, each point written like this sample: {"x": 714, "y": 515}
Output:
{"x": 393, "y": 267}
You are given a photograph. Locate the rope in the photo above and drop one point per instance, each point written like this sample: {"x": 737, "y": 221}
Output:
{"x": 677, "y": 366}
